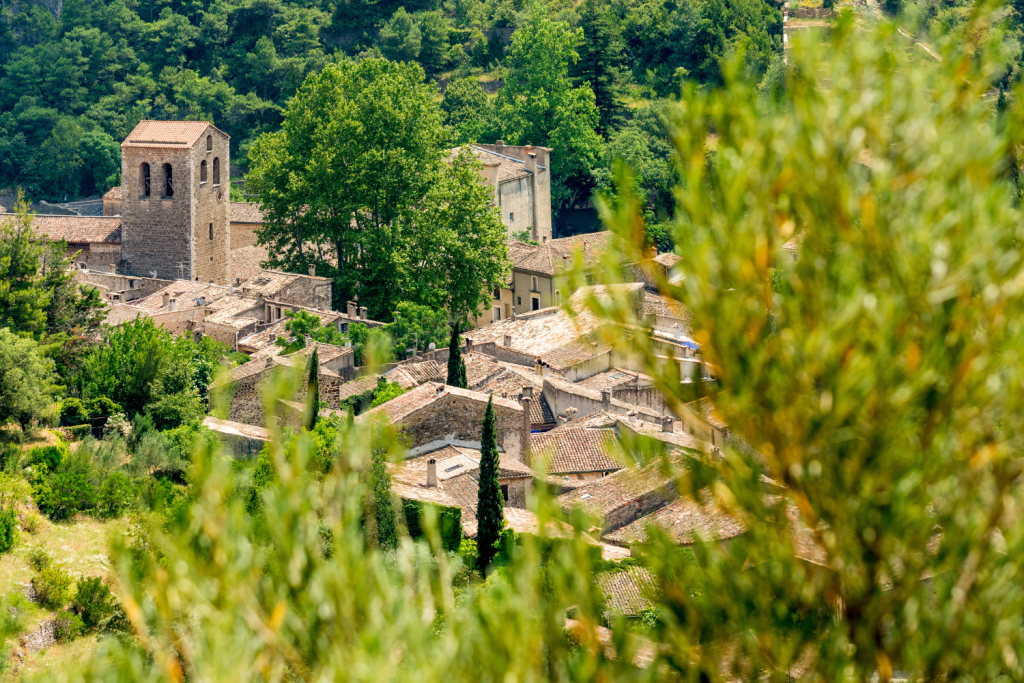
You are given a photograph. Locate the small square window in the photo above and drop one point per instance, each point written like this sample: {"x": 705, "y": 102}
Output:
{"x": 511, "y": 215}
{"x": 519, "y": 301}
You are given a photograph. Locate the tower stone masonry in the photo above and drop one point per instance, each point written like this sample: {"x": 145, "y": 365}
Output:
{"x": 175, "y": 201}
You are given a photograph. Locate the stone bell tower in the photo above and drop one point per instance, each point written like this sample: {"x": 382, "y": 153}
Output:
{"x": 175, "y": 179}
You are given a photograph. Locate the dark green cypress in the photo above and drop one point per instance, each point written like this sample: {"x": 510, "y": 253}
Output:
{"x": 490, "y": 505}
{"x": 313, "y": 390}
{"x": 384, "y": 508}
{"x": 456, "y": 366}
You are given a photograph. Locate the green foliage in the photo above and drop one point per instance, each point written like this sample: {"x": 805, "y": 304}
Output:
{"x": 70, "y": 493}
{"x": 490, "y": 503}
{"x": 8, "y": 529}
{"x": 68, "y": 626}
{"x": 102, "y": 406}
{"x": 93, "y": 602}
{"x": 449, "y": 523}
{"x": 27, "y": 382}
{"x": 115, "y": 495}
{"x": 14, "y": 491}
{"x": 53, "y": 586}
{"x": 38, "y": 559}
{"x": 312, "y": 391}
{"x": 386, "y": 391}
{"x": 139, "y": 364}
{"x": 50, "y": 456}
{"x": 468, "y": 553}
{"x": 358, "y": 169}
{"x": 524, "y": 237}
{"x": 385, "y": 527}
{"x": 73, "y": 412}
{"x": 416, "y": 327}
{"x": 456, "y": 365}
{"x": 400, "y": 37}
{"x": 539, "y": 105}
{"x": 38, "y": 293}
{"x": 467, "y": 110}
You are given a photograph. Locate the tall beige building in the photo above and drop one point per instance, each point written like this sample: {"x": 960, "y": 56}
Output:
{"x": 521, "y": 178}
{"x": 174, "y": 201}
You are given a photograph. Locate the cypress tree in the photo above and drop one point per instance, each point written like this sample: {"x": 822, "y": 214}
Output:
{"x": 383, "y": 504}
{"x": 456, "y": 366}
{"x": 490, "y": 504}
{"x": 313, "y": 390}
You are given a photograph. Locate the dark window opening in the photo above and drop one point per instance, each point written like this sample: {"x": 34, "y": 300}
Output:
{"x": 504, "y": 492}
{"x": 209, "y": 143}
{"x": 519, "y": 301}
{"x": 202, "y": 171}
{"x": 536, "y": 304}
{"x": 144, "y": 186}
{"x": 216, "y": 171}
{"x": 497, "y": 294}
{"x": 168, "y": 181}
{"x": 211, "y": 233}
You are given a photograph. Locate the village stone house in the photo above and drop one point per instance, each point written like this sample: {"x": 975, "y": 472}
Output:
{"x": 521, "y": 179}
{"x": 435, "y": 415}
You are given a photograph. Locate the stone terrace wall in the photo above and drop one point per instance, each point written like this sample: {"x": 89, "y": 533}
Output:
{"x": 810, "y": 13}
{"x": 644, "y": 504}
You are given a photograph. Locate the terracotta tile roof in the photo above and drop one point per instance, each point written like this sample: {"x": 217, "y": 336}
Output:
{"x": 246, "y": 261}
{"x": 644, "y": 650}
{"x": 627, "y": 591}
{"x": 187, "y": 294}
{"x": 243, "y": 371}
{"x": 325, "y": 352}
{"x": 614, "y": 378}
{"x": 577, "y": 451}
{"x": 269, "y": 283}
{"x": 411, "y": 375}
{"x": 706, "y": 409}
{"x": 575, "y": 352}
{"x": 416, "y": 399}
{"x": 578, "y": 389}
{"x": 113, "y": 194}
{"x": 508, "y": 168}
{"x": 667, "y": 260}
{"x": 624, "y": 487}
{"x": 540, "y": 333}
{"x": 227, "y": 310}
{"x": 79, "y": 229}
{"x": 480, "y": 369}
{"x": 245, "y": 212}
{"x": 684, "y": 520}
{"x": 236, "y": 428}
{"x": 358, "y": 386}
{"x": 556, "y": 256}
{"x": 509, "y": 384}
{"x": 655, "y": 304}
{"x": 651, "y": 428}
{"x": 179, "y": 134}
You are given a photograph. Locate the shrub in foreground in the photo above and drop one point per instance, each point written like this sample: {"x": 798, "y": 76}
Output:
{"x": 115, "y": 495}
{"x": 93, "y": 602}
{"x": 70, "y": 492}
{"x": 67, "y": 626}
{"x": 53, "y": 586}
{"x": 8, "y": 530}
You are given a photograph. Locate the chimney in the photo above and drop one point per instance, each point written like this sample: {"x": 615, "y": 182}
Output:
{"x": 309, "y": 341}
{"x": 167, "y": 298}
{"x": 352, "y": 309}
{"x": 312, "y": 270}
{"x": 499, "y": 146}
{"x": 528, "y": 392}
{"x": 531, "y": 161}
{"x": 431, "y": 473}
{"x": 678, "y": 332}
{"x": 362, "y": 313}
{"x": 238, "y": 282}
{"x": 632, "y": 417}
{"x": 527, "y": 424}
{"x": 570, "y": 414}
{"x": 606, "y": 399}
{"x": 469, "y": 344}
{"x": 113, "y": 267}
{"x": 668, "y": 424}
{"x": 270, "y": 361}
{"x": 507, "y": 341}
{"x": 173, "y": 305}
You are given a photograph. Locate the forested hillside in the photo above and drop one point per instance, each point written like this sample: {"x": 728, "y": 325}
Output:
{"x": 76, "y": 76}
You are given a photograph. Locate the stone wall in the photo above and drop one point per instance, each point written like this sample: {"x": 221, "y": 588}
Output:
{"x": 95, "y": 256}
{"x": 307, "y": 291}
{"x": 643, "y": 397}
{"x": 243, "y": 235}
{"x": 810, "y": 13}
{"x": 503, "y": 353}
{"x": 170, "y": 235}
{"x": 458, "y": 420}
{"x": 515, "y": 203}
{"x": 518, "y": 491}
{"x": 640, "y": 506}
{"x": 210, "y": 210}
{"x": 130, "y": 288}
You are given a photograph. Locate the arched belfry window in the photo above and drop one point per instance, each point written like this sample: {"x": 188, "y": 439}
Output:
{"x": 202, "y": 171}
{"x": 216, "y": 171}
{"x": 168, "y": 181}
{"x": 144, "y": 186}
{"x": 209, "y": 143}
